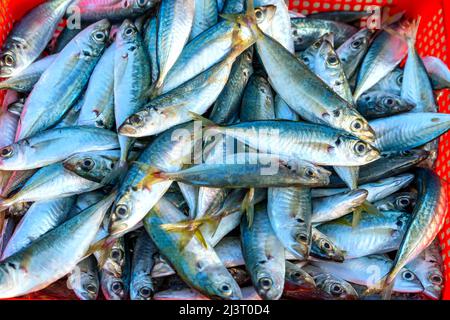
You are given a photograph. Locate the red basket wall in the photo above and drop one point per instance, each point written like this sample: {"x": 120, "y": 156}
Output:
{"x": 432, "y": 40}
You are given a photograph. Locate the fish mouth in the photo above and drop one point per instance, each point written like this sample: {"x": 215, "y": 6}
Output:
{"x": 69, "y": 166}
{"x": 127, "y": 130}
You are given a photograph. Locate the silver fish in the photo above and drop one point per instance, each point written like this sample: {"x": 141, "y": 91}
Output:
{"x": 84, "y": 279}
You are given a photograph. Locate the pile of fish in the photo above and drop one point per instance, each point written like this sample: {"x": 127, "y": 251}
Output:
{"x": 204, "y": 149}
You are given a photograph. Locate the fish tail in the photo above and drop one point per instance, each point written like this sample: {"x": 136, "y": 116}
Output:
{"x": 153, "y": 175}
{"x": 409, "y": 30}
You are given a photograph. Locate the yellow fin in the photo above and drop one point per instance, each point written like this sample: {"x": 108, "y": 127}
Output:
{"x": 153, "y": 175}
{"x": 370, "y": 209}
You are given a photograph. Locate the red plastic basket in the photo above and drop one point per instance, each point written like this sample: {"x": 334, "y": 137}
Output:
{"x": 432, "y": 40}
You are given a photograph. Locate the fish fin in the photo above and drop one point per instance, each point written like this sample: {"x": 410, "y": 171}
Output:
{"x": 153, "y": 175}
{"x": 229, "y": 17}
{"x": 356, "y": 217}
{"x": 248, "y": 206}
{"x": 101, "y": 246}
{"x": 409, "y": 29}
{"x": 189, "y": 229}
{"x": 370, "y": 209}
{"x": 205, "y": 122}
{"x": 343, "y": 221}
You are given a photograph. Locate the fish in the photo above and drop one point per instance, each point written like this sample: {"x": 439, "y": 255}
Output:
{"x": 175, "y": 23}
{"x": 297, "y": 279}
{"x": 25, "y": 81}
{"x": 438, "y": 72}
{"x": 352, "y": 52}
{"x": 197, "y": 265}
{"x": 306, "y": 93}
{"x": 84, "y": 279}
{"x": 340, "y": 16}
{"x": 378, "y": 104}
{"x": 54, "y": 145}
{"x": 391, "y": 83}
{"x": 373, "y": 234}
{"x": 412, "y": 130}
{"x": 98, "y": 101}
{"x": 49, "y": 183}
{"x": 131, "y": 79}
{"x": 334, "y": 207}
{"x": 214, "y": 45}
{"x": 416, "y": 87}
{"x": 176, "y": 107}
{"x": 384, "y": 55}
{"x": 141, "y": 285}
{"x": 40, "y": 218}
{"x": 289, "y": 211}
{"x": 62, "y": 83}
{"x": 264, "y": 255}
{"x": 367, "y": 271}
{"x": 428, "y": 269}
{"x": 113, "y": 10}
{"x": 426, "y": 221}
{"x": 306, "y": 31}
{"x": 30, "y": 36}
{"x": 245, "y": 170}
{"x": 53, "y": 255}
{"x": 300, "y": 140}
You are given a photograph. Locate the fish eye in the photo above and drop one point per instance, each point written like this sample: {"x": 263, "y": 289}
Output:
{"x": 360, "y": 148}
{"x": 356, "y": 125}
{"x": 100, "y": 36}
{"x": 265, "y": 283}
{"x": 136, "y": 120}
{"x": 296, "y": 275}
{"x": 336, "y": 289}
{"x": 145, "y": 292}
{"x": 399, "y": 223}
{"x": 400, "y": 80}
{"x": 403, "y": 202}
{"x": 7, "y": 152}
{"x": 389, "y": 102}
{"x": 302, "y": 237}
{"x": 317, "y": 44}
{"x": 116, "y": 254}
{"x": 117, "y": 287}
{"x": 142, "y": 3}
{"x": 91, "y": 288}
{"x": 306, "y": 60}
{"x": 121, "y": 211}
{"x": 129, "y": 31}
{"x": 225, "y": 288}
{"x": 356, "y": 44}
{"x": 332, "y": 60}
{"x": 408, "y": 276}
{"x": 259, "y": 14}
{"x": 88, "y": 164}
{"x": 324, "y": 244}
{"x": 436, "y": 279}
{"x": 310, "y": 173}
{"x": 9, "y": 60}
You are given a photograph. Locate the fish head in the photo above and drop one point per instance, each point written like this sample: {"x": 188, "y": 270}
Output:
{"x": 264, "y": 16}
{"x": 113, "y": 288}
{"x": 390, "y": 104}
{"x": 351, "y": 121}
{"x": 218, "y": 282}
{"x": 336, "y": 288}
{"x": 297, "y": 278}
{"x": 13, "y": 155}
{"x": 92, "y": 41}
{"x": 141, "y": 5}
{"x": 360, "y": 41}
{"x": 142, "y": 288}
{"x": 323, "y": 248}
{"x": 358, "y": 150}
{"x": 150, "y": 119}
{"x": 433, "y": 283}
{"x": 408, "y": 282}
{"x": 269, "y": 285}
{"x": 300, "y": 239}
{"x": 10, "y": 62}
{"x": 128, "y": 34}
{"x": 90, "y": 166}
{"x": 85, "y": 286}
{"x": 404, "y": 201}
{"x": 308, "y": 172}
